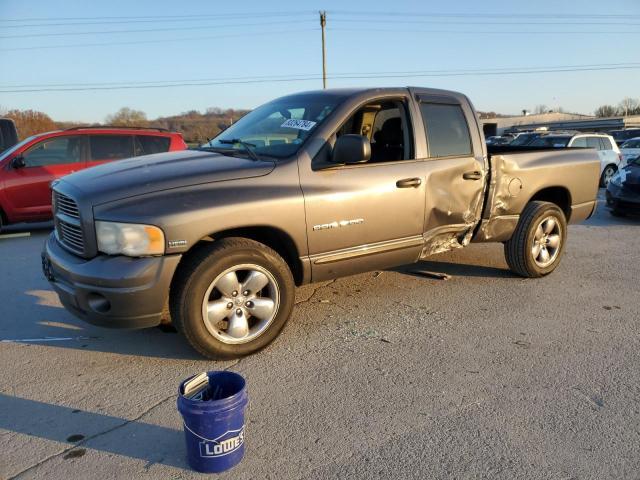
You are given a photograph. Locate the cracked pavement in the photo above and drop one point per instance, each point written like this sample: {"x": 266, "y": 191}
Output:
{"x": 380, "y": 375}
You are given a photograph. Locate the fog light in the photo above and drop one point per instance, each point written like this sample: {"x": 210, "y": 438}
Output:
{"x": 98, "y": 302}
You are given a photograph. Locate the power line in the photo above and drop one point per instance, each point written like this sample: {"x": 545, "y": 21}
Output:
{"x": 481, "y": 15}
{"x": 156, "y": 17}
{"x": 147, "y": 30}
{"x": 492, "y": 32}
{"x": 442, "y": 73}
{"x": 467, "y": 22}
{"x": 147, "y": 20}
{"x": 336, "y": 75}
{"x": 162, "y": 40}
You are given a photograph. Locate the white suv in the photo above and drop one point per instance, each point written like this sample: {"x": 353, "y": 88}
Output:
{"x": 608, "y": 151}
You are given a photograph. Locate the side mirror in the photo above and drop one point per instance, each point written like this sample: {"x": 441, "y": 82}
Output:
{"x": 350, "y": 149}
{"x": 18, "y": 162}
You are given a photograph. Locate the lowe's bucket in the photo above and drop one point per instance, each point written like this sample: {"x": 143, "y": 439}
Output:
{"x": 214, "y": 426}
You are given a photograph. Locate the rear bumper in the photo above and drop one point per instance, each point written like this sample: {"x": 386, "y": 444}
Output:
{"x": 116, "y": 292}
{"x": 582, "y": 211}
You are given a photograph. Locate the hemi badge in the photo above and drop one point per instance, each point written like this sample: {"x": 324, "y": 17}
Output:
{"x": 177, "y": 243}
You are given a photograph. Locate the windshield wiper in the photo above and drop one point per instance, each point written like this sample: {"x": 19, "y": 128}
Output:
{"x": 246, "y": 145}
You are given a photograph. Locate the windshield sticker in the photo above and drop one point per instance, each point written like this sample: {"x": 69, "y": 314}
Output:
{"x": 299, "y": 124}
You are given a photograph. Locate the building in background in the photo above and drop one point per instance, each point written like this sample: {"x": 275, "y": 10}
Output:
{"x": 557, "y": 121}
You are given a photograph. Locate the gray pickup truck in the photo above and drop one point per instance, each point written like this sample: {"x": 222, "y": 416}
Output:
{"x": 306, "y": 188}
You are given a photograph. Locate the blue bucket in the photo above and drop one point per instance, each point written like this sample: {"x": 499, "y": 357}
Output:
{"x": 214, "y": 428}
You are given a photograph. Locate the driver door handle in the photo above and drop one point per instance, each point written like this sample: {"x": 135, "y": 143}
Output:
{"x": 472, "y": 175}
{"x": 409, "y": 183}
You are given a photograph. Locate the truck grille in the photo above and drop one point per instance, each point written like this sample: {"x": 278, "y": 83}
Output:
{"x": 66, "y": 205}
{"x": 67, "y": 223}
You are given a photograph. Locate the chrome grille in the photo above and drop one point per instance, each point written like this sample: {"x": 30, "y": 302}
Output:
{"x": 66, "y": 205}
{"x": 67, "y": 223}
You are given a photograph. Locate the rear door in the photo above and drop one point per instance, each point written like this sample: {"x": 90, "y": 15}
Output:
{"x": 456, "y": 167}
{"x": 610, "y": 153}
{"x": 27, "y": 189}
{"x": 107, "y": 148}
{"x": 594, "y": 142}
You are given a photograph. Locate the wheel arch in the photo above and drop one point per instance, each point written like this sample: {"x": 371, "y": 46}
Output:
{"x": 557, "y": 195}
{"x": 272, "y": 237}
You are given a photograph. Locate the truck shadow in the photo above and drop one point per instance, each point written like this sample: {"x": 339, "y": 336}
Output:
{"x": 82, "y": 430}
{"x": 48, "y": 324}
{"x": 454, "y": 269}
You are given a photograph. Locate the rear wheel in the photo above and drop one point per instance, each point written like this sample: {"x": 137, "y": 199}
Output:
{"x": 232, "y": 298}
{"x": 607, "y": 173}
{"x": 536, "y": 246}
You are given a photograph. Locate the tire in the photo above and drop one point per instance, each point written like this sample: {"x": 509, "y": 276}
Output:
{"x": 520, "y": 250}
{"x": 617, "y": 213}
{"x": 209, "y": 271}
{"x": 608, "y": 172}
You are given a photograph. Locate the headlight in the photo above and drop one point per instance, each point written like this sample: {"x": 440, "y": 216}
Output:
{"x": 616, "y": 179}
{"x": 129, "y": 239}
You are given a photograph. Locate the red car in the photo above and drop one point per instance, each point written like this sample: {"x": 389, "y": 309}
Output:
{"x": 28, "y": 168}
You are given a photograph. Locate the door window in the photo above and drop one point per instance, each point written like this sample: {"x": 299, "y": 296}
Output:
{"x": 593, "y": 142}
{"x": 384, "y": 123}
{"x": 447, "y": 130}
{"x": 110, "y": 147}
{"x": 148, "y": 144}
{"x": 580, "y": 142}
{"x": 605, "y": 143}
{"x": 54, "y": 151}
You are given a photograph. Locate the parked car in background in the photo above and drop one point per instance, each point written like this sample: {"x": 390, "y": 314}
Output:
{"x": 28, "y": 168}
{"x": 8, "y": 134}
{"x": 498, "y": 140}
{"x": 621, "y": 136}
{"x": 525, "y": 139}
{"x": 623, "y": 191}
{"x": 630, "y": 150}
{"x": 608, "y": 151}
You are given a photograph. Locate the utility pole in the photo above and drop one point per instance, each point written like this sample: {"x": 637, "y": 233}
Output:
{"x": 323, "y": 22}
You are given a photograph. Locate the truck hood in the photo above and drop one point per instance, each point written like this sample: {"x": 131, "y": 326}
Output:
{"x": 152, "y": 173}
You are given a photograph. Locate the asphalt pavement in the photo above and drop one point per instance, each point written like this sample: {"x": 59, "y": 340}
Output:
{"x": 381, "y": 375}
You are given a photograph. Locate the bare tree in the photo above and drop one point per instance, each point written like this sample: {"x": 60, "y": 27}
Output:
{"x": 541, "y": 109}
{"x": 606, "y": 111}
{"x": 30, "y": 122}
{"x": 629, "y": 106}
{"x": 127, "y": 117}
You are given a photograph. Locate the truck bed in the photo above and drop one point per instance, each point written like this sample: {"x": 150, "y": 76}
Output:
{"x": 566, "y": 176}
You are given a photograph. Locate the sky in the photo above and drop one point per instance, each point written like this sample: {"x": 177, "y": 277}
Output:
{"x": 243, "y": 53}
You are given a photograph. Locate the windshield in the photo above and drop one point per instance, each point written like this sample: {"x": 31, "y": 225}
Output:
{"x": 277, "y": 129}
{"x": 9, "y": 151}
{"x": 635, "y": 143}
{"x": 556, "y": 142}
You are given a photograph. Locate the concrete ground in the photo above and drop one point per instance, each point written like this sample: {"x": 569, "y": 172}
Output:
{"x": 381, "y": 375}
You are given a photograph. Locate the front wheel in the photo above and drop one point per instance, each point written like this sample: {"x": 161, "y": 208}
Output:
{"x": 536, "y": 246}
{"x": 232, "y": 298}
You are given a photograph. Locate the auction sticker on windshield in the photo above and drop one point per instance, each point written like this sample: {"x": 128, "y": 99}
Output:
{"x": 299, "y": 124}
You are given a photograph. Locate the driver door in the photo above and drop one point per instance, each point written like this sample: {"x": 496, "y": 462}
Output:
{"x": 370, "y": 215}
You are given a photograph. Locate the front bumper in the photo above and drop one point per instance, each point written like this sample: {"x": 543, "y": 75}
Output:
{"x": 110, "y": 291}
{"x": 620, "y": 199}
